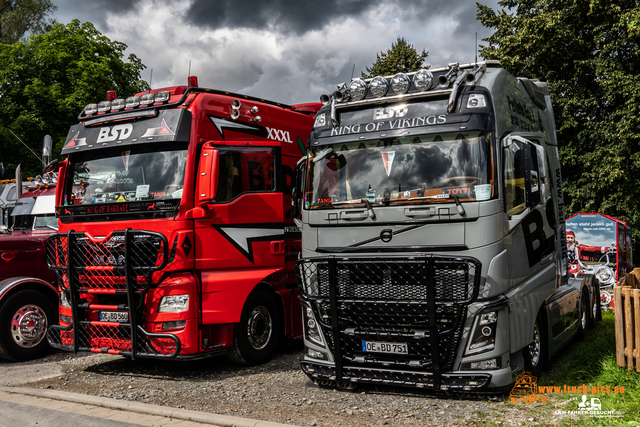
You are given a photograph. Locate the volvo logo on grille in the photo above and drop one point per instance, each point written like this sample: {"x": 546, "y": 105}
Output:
{"x": 386, "y": 235}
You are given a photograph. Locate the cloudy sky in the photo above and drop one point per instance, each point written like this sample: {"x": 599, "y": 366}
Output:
{"x": 290, "y": 51}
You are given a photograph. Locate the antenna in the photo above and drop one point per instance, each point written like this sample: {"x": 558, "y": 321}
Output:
{"x": 353, "y": 70}
{"x": 189, "y": 74}
{"x": 41, "y": 161}
{"x": 150, "y": 78}
{"x": 476, "y": 48}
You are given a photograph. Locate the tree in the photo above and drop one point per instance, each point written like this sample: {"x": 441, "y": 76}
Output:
{"x": 589, "y": 54}
{"x": 19, "y": 17}
{"x": 402, "y": 57}
{"x": 46, "y": 81}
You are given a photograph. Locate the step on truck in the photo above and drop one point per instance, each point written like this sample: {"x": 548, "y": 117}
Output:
{"x": 433, "y": 237}
{"x": 28, "y": 288}
{"x": 176, "y": 230}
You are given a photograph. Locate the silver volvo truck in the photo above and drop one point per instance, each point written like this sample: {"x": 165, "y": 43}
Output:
{"x": 433, "y": 236}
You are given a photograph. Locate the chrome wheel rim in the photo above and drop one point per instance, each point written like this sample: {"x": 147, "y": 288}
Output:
{"x": 583, "y": 318}
{"x": 28, "y": 326}
{"x": 259, "y": 327}
{"x": 535, "y": 346}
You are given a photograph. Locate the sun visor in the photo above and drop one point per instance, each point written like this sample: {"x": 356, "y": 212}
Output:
{"x": 23, "y": 206}
{"x": 44, "y": 205}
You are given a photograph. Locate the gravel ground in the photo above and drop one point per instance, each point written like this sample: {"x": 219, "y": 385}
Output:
{"x": 276, "y": 391}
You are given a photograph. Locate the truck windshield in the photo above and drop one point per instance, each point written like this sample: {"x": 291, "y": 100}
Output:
{"x": 124, "y": 174}
{"x": 402, "y": 170}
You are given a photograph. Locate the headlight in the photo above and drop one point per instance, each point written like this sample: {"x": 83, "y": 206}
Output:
{"x": 64, "y": 301}
{"x": 604, "y": 275}
{"x": 174, "y": 304}
{"x": 311, "y": 328}
{"x": 484, "y": 333}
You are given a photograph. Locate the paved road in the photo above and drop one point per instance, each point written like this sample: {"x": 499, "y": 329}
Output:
{"x": 22, "y": 410}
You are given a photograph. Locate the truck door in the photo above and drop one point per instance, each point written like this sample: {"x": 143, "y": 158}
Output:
{"x": 531, "y": 244}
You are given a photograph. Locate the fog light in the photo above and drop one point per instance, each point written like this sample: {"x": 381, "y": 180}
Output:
{"x": 481, "y": 365}
{"x": 90, "y": 109}
{"x": 104, "y": 106}
{"x": 316, "y": 354}
{"x": 378, "y": 86}
{"x": 65, "y": 319}
{"x": 147, "y": 99}
{"x": 162, "y": 96}
{"x": 132, "y": 102}
{"x": 174, "y": 325}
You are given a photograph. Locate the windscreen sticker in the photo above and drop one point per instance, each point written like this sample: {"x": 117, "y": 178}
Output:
{"x": 142, "y": 191}
{"x": 387, "y": 158}
{"x": 121, "y": 199}
{"x": 458, "y": 191}
{"x": 125, "y": 159}
{"x": 483, "y": 191}
{"x": 177, "y": 194}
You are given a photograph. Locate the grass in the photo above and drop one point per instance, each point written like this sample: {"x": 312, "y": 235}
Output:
{"x": 592, "y": 361}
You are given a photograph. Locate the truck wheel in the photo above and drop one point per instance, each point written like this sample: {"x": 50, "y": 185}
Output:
{"x": 24, "y": 319}
{"x": 583, "y": 315}
{"x": 595, "y": 306}
{"x": 535, "y": 353}
{"x": 255, "y": 338}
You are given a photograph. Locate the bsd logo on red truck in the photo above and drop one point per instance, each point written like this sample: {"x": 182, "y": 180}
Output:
{"x": 117, "y": 132}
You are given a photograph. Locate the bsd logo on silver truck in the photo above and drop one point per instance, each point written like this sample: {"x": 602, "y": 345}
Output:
{"x": 390, "y": 112}
{"x": 279, "y": 135}
{"x": 117, "y": 132}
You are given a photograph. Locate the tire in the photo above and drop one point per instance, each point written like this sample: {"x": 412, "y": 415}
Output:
{"x": 255, "y": 338}
{"x": 24, "y": 319}
{"x": 535, "y": 354}
{"x": 596, "y": 313}
{"x": 584, "y": 310}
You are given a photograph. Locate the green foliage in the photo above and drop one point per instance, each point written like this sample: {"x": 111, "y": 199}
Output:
{"x": 19, "y": 17}
{"x": 46, "y": 81}
{"x": 588, "y": 53}
{"x": 402, "y": 57}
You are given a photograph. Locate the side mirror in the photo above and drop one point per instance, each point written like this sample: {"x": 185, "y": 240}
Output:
{"x": 208, "y": 174}
{"x": 297, "y": 193}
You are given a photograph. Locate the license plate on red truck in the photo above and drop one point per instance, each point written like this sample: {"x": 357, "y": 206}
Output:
{"x": 114, "y": 316}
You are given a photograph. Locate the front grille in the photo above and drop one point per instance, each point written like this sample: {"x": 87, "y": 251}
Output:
{"x": 112, "y": 274}
{"x": 419, "y": 301}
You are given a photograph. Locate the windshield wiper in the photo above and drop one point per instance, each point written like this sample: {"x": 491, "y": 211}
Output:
{"x": 372, "y": 214}
{"x": 437, "y": 196}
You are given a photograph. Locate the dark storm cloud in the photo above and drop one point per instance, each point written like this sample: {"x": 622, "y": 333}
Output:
{"x": 95, "y": 12}
{"x": 289, "y": 16}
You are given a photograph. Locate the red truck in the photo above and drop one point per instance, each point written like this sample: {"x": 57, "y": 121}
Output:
{"x": 28, "y": 291}
{"x": 176, "y": 231}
